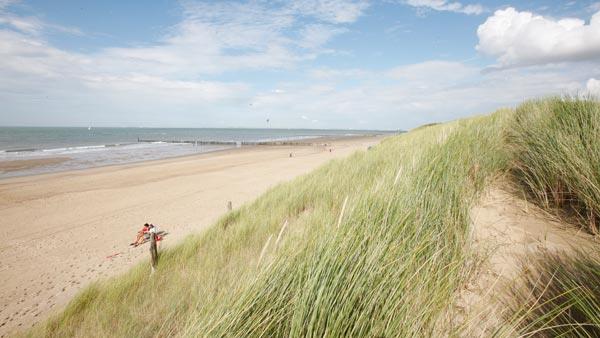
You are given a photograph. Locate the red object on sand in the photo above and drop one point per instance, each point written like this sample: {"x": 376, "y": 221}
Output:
{"x": 114, "y": 255}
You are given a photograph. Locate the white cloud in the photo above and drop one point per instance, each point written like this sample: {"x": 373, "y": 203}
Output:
{"x": 176, "y": 81}
{"x": 178, "y": 74}
{"x": 593, "y": 87}
{"x": 444, "y": 5}
{"x": 216, "y": 37}
{"x": 333, "y": 11}
{"x": 433, "y": 73}
{"x": 410, "y": 95}
{"x": 330, "y": 73}
{"x": 30, "y": 24}
{"x": 6, "y": 3}
{"x": 315, "y": 36}
{"x": 522, "y": 38}
{"x": 212, "y": 38}
{"x": 191, "y": 91}
{"x": 398, "y": 28}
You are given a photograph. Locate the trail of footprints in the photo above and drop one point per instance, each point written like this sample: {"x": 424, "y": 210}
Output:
{"x": 28, "y": 301}
{"x": 36, "y": 297}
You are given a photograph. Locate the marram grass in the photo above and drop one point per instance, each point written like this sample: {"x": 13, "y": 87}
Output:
{"x": 556, "y": 295}
{"x": 556, "y": 155}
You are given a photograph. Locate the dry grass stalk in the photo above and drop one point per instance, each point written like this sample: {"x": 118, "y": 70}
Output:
{"x": 339, "y": 221}
{"x": 280, "y": 236}
{"x": 264, "y": 250}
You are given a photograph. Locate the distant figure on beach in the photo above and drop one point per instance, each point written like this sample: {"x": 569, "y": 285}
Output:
{"x": 141, "y": 235}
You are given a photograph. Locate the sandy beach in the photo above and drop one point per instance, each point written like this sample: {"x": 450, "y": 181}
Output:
{"x": 64, "y": 230}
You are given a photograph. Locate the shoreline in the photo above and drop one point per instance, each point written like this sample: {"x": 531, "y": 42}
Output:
{"x": 67, "y": 229}
{"x": 317, "y": 142}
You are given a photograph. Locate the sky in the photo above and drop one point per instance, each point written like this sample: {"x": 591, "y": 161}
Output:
{"x": 330, "y": 64}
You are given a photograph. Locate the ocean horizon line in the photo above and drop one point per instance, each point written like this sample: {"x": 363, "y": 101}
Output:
{"x": 91, "y": 127}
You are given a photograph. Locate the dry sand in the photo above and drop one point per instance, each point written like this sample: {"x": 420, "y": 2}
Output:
{"x": 61, "y": 231}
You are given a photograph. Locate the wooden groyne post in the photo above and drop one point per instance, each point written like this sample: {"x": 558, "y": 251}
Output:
{"x": 153, "y": 251}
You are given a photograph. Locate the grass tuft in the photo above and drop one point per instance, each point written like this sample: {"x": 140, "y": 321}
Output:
{"x": 557, "y": 295}
{"x": 557, "y": 156}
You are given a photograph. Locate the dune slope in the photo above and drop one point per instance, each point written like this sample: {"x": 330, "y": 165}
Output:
{"x": 378, "y": 244}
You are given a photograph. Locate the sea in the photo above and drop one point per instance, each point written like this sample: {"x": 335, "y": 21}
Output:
{"x": 93, "y": 147}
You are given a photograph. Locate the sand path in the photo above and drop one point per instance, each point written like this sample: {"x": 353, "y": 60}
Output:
{"x": 62, "y": 231}
{"x": 505, "y": 229}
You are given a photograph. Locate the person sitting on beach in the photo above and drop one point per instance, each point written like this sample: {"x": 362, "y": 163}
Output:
{"x": 144, "y": 234}
{"x": 141, "y": 235}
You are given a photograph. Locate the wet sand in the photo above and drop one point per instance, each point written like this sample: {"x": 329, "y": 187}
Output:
{"x": 62, "y": 231}
{"x": 14, "y": 165}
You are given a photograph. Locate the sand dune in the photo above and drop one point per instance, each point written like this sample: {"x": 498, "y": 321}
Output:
{"x": 62, "y": 231}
